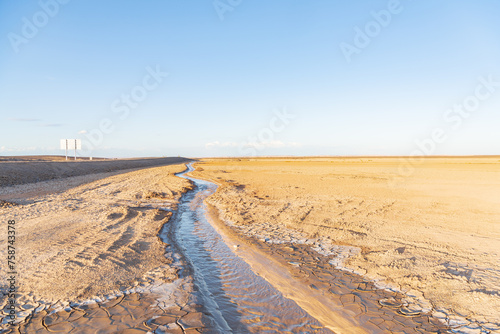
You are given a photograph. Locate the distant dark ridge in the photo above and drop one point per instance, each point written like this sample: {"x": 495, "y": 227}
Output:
{"x": 29, "y": 171}
{"x": 43, "y": 158}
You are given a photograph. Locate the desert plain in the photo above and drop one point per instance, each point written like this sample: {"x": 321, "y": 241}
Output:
{"x": 431, "y": 231}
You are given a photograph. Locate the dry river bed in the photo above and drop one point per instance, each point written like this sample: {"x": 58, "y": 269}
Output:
{"x": 95, "y": 258}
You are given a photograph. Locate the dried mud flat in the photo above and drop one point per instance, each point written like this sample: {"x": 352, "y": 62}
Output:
{"x": 89, "y": 256}
{"x": 342, "y": 300}
{"x": 128, "y": 313}
{"x": 432, "y": 236}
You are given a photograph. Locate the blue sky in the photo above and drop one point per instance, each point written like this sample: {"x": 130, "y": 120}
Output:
{"x": 236, "y": 67}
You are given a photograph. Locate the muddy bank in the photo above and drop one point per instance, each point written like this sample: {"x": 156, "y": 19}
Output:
{"x": 94, "y": 240}
{"x": 163, "y": 308}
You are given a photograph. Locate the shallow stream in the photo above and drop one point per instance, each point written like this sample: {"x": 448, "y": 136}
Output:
{"x": 238, "y": 300}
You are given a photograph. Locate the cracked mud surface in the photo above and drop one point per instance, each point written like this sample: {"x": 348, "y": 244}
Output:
{"x": 127, "y": 314}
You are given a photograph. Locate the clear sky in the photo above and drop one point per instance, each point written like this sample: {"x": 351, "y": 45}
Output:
{"x": 231, "y": 77}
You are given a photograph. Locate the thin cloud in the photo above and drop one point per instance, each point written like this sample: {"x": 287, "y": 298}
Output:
{"x": 219, "y": 144}
{"x": 257, "y": 145}
{"x": 82, "y": 132}
{"x": 18, "y": 149}
{"x": 52, "y": 125}
{"x": 21, "y": 119}
{"x": 271, "y": 144}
